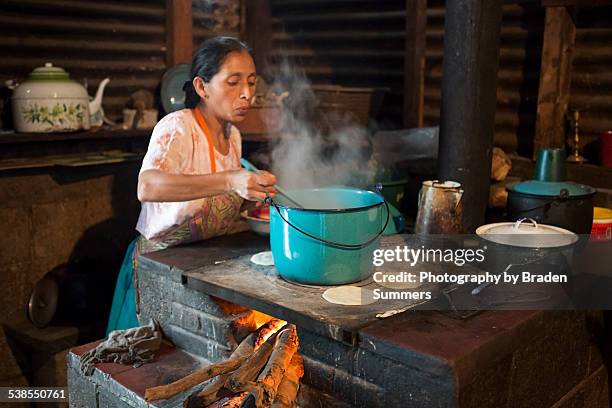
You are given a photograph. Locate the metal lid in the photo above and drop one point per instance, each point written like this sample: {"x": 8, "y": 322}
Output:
{"x": 551, "y": 189}
{"x": 528, "y": 234}
{"x": 49, "y": 73}
{"x": 43, "y": 302}
{"x": 446, "y": 184}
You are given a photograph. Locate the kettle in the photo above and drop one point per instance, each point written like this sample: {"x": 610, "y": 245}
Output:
{"x": 49, "y": 101}
{"x": 440, "y": 208}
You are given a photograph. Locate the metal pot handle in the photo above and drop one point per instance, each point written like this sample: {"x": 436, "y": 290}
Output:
{"x": 336, "y": 244}
{"x": 518, "y": 222}
{"x": 563, "y": 196}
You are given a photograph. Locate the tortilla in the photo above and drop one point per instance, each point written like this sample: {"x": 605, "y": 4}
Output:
{"x": 398, "y": 285}
{"x": 263, "y": 258}
{"x": 349, "y": 296}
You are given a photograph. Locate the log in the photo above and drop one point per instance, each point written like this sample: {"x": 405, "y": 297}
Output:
{"x": 210, "y": 392}
{"x": 248, "y": 322}
{"x": 193, "y": 379}
{"x": 500, "y": 165}
{"x": 290, "y": 385}
{"x": 271, "y": 326}
{"x": 233, "y": 401}
{"x": 240, "y": 355}
{"x": 247, "y": 372}
{"x": 498, "y": 196}
{"x": 272, "y": 374}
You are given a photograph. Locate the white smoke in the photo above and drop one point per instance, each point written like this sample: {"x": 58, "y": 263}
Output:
{"x": 316, "y": 147}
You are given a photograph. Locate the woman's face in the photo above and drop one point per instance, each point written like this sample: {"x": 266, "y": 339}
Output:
{"x": 228, "y": 94}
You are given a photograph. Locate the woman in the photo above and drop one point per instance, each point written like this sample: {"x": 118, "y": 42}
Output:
{"x": 191, "y": 185}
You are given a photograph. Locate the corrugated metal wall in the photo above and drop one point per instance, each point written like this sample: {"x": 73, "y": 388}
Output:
{"x": 348, "y": 42}
{"x": 518, "y": 75}
{"x": 361, "y": 43}
{"x": 352, "y": 43}
{"x": 124, "y": 40}
{"x": 215, "y": 17}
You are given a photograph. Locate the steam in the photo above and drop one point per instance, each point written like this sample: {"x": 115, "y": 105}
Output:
{"x": 316, "y": 148}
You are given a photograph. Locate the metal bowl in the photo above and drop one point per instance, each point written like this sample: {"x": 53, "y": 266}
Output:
{"x": 258, "y": 225}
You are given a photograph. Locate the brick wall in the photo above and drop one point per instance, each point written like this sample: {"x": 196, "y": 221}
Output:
{"x": 193, "y": 320}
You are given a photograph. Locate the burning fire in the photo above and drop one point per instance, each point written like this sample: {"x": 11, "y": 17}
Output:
{"x": 268, "y": 329}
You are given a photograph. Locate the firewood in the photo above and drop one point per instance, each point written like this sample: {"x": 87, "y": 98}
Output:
{"x": 498, "y": 196}
{"x": 229, "y": 402}
{"x": 193, "y": 379}
{"x": 251, "y": 367}
{"x": 255, "y": 395}
{"x": 272, "y": 374}
{"x": 263, "y": 392}
{"x": 271, "y": 326}
{"x": 500, "y": 164}
{"x": 289, "y": 386}
{"x": 209, "y": 393}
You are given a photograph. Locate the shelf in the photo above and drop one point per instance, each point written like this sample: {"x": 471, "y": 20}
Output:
{"x": 71, "y": 160}
{"x": 103, "y": 133}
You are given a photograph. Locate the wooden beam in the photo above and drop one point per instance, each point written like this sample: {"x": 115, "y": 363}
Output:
{"x": 555, "y": 79}
{"x": 258, "y": 31}
{"x": 179, "y": 32}
{"x": 414, "y": 62}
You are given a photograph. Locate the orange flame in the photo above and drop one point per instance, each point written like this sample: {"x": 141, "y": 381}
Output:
{"x": 267, "y": 330}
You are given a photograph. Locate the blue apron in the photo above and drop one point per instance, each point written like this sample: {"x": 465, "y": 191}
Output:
{"x": 123, "y": 310}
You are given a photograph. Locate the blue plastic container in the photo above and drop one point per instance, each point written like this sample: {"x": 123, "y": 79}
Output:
{"x": 331, "y": 240}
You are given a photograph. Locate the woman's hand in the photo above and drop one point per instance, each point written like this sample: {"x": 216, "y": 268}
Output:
{"x": 252, "y": 186}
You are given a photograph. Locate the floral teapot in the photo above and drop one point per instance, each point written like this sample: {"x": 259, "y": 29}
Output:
{"x": 49, "y": 101}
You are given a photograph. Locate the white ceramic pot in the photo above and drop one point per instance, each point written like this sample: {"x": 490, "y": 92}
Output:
{"x": 49, "y": 101}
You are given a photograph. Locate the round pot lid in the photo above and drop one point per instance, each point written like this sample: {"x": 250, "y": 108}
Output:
{"x": 49, "y": 73}
{"x": 172, "y": 94}
{"x": 527, "y": 233}
{"x": 43, "y": 302}
{"x": 551, "y": 189}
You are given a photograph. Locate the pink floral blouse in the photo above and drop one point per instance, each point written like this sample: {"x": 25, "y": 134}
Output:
{"x": 179, "y": 146}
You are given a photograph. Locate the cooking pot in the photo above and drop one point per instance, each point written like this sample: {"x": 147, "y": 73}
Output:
{"x": 331, "y": 240}
{"x": 550, "y": 199}
{"x": 525, "y": 242}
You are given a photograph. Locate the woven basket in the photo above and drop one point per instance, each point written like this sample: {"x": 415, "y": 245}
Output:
{"x": 353, "y": 101}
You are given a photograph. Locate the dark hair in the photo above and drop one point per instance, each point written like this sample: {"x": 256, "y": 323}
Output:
{"x": 207, "y": 61}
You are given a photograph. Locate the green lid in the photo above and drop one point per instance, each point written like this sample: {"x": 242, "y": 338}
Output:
{"x": 49, "y": 73}
{"x": 551, "y": 189}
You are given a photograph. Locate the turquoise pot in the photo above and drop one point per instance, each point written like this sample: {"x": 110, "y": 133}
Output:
{"x": 331, "y": 240}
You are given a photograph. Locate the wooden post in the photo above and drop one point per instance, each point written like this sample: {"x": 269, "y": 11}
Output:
{"x": 258, "y": 31}
{"x": 555, "y": 79}
{"x": 179, "y": 32}
{"x": 414, "y": 62}
{"x": 467, "y": 113}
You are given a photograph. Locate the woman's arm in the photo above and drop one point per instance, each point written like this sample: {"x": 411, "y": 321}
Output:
{"x": 159, "y": 186}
